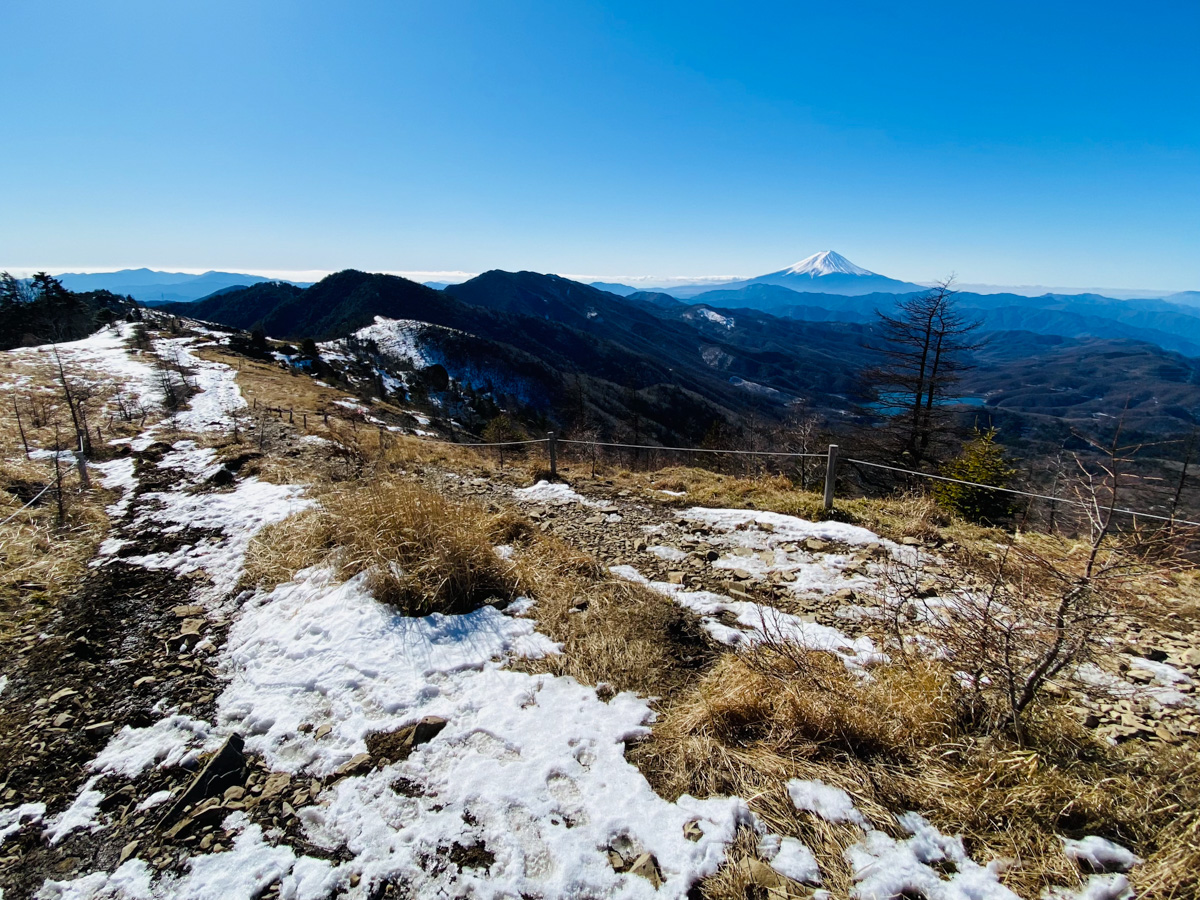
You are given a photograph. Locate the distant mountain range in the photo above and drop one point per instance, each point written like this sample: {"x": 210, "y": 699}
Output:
{"x": 826, "y": 272}
{"x": 829, "y": 272}
{"x": 555, "y": 344}
{"x": 150, "y": 286}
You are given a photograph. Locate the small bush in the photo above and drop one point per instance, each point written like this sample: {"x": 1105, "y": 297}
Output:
{"x": 982, "y": 462}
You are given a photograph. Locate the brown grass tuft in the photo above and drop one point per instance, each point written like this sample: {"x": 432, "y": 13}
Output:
{"x": 422, "y": 553}
{"x": 807, "y": 702}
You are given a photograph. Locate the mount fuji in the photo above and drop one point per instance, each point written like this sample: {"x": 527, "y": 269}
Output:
{"x": 826, "y": 272}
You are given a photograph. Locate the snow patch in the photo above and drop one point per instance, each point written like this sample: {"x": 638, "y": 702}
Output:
{"x": 830, "y": 803}
{"x": 535, "y": 763}
{"x": 13, "y": 820}
{"x": 552, "y": 493}
{"x": 1099, "y": 854}
{"x": 790, "y": 858}
{"x": 884, "y": 867}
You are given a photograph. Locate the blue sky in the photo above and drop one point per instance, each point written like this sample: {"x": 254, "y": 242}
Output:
{"x": 1010, "y": 143}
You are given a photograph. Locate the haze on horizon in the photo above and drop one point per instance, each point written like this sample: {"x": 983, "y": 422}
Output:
{"x": 1046, "y": 146}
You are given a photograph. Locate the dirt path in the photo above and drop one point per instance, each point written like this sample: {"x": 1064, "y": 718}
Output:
{"x": 111, "y": 656}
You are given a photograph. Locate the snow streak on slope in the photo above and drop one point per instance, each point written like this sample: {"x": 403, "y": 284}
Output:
{"x": 397, "y": 339}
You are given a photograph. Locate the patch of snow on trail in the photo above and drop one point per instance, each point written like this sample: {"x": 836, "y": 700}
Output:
{"x": 197, "y": 463}
{"x": 218, "y": 396}
{"x": 1154, "y": 694}
{"x": 238, "y": 514}
{"x": 117, "y": 475}
{"x": 773, "y": 539}
{"x": 82, "y": 813}
{"x": 784, "y": 528}
{"x": 670, "y": 554}
{"x": 555, "y": 494}
{"x": 884, "y": 867}
{"x": 12, "y": 820}
{"x": 760, "y": 624}
{"x": 129, "y": 882}
{"x": 168, "y": 742}
{"x": 534, "y": 763}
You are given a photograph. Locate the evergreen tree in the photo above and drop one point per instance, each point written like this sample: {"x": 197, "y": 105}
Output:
{"x": 981, "y": 461}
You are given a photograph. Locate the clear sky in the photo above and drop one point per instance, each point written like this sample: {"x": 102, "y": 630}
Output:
{"x": 1015, "y": 143}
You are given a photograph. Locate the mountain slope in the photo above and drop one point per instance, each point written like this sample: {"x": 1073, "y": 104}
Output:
{"x": 1170, "y": 325}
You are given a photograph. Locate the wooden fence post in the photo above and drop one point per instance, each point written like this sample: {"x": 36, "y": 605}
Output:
{"x": 81, "y": 462}
{"x": 552, "y": 446}
{"x": 830, "y": 475}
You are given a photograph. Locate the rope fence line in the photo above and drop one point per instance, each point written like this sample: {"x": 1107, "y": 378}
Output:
{"x": 1050, "y": 498}
{"x": 693, "y": 449}
{"x": 552, "y": 441}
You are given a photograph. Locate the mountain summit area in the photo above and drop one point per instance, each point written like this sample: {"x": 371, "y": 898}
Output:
{"x": 522, "y": 588}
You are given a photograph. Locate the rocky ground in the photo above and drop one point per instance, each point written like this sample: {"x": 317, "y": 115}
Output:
{"x": 1151, "y": 694}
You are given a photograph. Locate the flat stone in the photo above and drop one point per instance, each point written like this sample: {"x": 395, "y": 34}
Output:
{"x": 759, "y": 874}
{"x": 357, "y": 763}
{"x": 647, "y": 867}
{"x": 224, "y": 770}
{"x": 276, "y": 784}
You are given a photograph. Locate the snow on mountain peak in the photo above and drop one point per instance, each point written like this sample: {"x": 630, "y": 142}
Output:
{"x": 827, "y": 262}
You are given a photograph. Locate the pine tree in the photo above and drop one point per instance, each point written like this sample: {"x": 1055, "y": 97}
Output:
{"x": 981, "y": 461}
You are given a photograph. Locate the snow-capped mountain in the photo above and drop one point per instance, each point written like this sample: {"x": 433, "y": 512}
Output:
{"x": 827, "y": 262}
{"x": 826, "y": 272}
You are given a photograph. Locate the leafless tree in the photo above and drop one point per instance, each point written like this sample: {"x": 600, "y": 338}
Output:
{"x": 924, "y": 344}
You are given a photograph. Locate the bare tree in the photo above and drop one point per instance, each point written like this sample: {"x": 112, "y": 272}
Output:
{"x": 924, "y": 345}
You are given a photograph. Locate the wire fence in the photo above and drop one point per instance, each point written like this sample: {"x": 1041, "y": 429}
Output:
{"x": 553, "y": 443}
{"x": 832, "y": 460}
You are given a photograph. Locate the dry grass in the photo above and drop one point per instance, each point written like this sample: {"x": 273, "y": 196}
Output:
{"x": 421, "y": 552}
{"x": 895, "y": 742}
{"x": 41, "y": 561}
{"x": 424, "y": 553}
{"x": 808, "y": 699}
{"x": 746, "y": 724}
{"x": 612, "y": 632}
